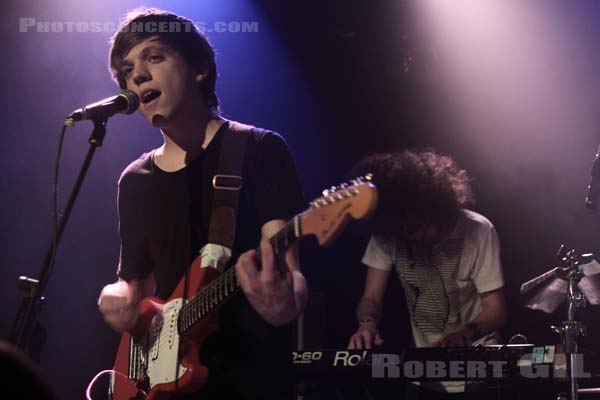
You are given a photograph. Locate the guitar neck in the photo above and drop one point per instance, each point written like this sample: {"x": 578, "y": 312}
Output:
{"x": 225, "y": 286}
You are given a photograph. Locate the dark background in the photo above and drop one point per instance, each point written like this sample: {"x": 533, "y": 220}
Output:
{"x": 508, "y": 88}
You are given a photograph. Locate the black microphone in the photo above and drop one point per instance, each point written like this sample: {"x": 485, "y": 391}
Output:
{"x": 125, "y": 102}
{"x": 594, "y": 188}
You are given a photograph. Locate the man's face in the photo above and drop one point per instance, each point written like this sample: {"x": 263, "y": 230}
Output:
{"x": 415, "y": 231}
{"x": 424, "y": 232}
{"x": 165, "y": 83}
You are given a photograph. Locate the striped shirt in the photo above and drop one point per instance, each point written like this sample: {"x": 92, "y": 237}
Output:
{"x": 442, "y": 282}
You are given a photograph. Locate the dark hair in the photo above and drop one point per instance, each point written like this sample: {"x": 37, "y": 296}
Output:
{"x": 16, "y": 366}
{"x": 416, "y": 187}
{"x": 178, "y": 33}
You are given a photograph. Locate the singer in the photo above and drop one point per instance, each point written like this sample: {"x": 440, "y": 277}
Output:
{"x": 165, "y": 201}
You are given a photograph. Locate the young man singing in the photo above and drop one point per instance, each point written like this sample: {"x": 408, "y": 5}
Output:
{"x": 165, "y": 200}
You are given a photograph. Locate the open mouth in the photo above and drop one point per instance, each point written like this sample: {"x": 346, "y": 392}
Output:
{"x": 150, "y": 96}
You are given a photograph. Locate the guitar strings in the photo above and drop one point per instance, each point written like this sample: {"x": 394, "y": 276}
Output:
{"x": 227, "y": 282}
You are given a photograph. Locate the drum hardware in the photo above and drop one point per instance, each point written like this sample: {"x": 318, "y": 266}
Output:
{"x": 577, "y": 280}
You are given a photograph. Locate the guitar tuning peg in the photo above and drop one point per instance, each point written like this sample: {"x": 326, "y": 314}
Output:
{"x": 325, "y": 192}
{"x": 323, "y": 201}
{"x": 344, "y": 185}
{"x": 314, "y": 204}
{"x": 369, "y": 177}
{"x": 332, "y": 189}
{"x": 354, "y": 182}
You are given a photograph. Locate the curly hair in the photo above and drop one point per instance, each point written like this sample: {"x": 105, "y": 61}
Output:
{"x": 175, "y": 31}
{"x": 416, "y": 187}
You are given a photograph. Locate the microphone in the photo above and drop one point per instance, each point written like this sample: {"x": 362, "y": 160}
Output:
{"x": 125, "y": 102}
{"x": 594, "y": 188}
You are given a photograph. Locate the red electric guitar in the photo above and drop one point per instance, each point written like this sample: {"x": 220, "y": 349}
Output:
{"x": 163, "y": 358}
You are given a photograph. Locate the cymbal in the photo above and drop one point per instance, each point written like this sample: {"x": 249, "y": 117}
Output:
{"x": 548, "y": 290}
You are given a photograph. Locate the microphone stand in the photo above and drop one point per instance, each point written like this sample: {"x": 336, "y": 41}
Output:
{"x": 26, "y": 333}
{"x": 591, "y": 199}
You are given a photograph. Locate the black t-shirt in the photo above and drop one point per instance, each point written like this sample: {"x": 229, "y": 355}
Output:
{"x": 163, "y": 222}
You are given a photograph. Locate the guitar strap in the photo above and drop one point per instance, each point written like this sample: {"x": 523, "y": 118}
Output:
{"x": 227, "y": 184}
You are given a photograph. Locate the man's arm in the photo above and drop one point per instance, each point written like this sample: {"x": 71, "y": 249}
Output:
{"x": 118, "y": 301}
{"x": 491, "y": 317}
{"x": 368, "y": 312}
{"x": 277, "y": 292}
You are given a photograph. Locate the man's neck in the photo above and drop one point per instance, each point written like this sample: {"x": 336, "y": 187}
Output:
{"x": 185, "y": 140}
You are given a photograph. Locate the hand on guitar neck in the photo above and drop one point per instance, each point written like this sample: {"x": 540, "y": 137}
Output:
{"x": 276, "y": 288}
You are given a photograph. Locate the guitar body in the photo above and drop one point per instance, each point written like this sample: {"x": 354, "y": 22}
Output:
{"x": 154, "y": 355}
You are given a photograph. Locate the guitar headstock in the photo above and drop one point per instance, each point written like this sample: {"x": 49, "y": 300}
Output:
{"x": 329, "y": 213}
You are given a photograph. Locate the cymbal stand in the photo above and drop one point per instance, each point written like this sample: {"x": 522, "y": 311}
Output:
{"x": 571, "y": 329}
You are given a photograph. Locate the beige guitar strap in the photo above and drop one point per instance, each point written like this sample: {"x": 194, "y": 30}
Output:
{"x": 227, "y": 184}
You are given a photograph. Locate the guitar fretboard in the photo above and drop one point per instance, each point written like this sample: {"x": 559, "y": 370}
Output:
{"x": 225, "y": 286}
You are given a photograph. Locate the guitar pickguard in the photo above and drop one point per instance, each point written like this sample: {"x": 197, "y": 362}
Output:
{"x": 163, "y": 362}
